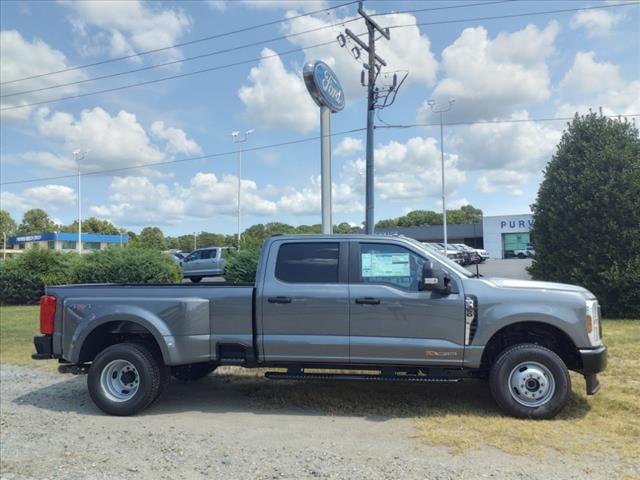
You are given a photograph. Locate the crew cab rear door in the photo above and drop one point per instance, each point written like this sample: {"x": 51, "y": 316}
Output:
{"x": 393, "y": 321}
{"x": 305, "y": 309}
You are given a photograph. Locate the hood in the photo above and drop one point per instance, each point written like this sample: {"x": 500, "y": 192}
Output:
{"x": 536, "y": 285}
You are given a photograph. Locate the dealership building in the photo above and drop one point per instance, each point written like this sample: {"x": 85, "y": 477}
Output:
{"x": 66, "y": 241}
{"x": 500, "y": 235}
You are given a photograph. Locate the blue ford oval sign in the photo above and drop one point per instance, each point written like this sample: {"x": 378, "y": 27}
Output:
{"x": 323, "y": 85}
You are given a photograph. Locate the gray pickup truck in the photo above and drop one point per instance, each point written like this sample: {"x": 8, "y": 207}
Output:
{"x": 381, "y": 304}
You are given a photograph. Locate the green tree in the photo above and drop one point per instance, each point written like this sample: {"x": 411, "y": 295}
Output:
{"x": 36, "y": 220}
{"x": 8, "y": 225}
{"x": 587, "y": 213}
{"x": 152, "y": 238}
{"x": 93, "y": 225}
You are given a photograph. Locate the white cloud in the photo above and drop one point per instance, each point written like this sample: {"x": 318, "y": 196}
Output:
{"x": 218, "y": 5}
{"x": 588, "y": 76}
{"x": 597, "y": 23}
{"x": 348, "y": 146}
{"x": 132, "y": 25}
{"x": 412, "y": 170}
{"x": 139, "y": 201}
{"x": 589, "y": 85}
{"x": 112, "y": 142}
{"x": 404, "y": 171}
{"x": 408, "y": 49}
{"x": 307, "y": 201}
{"x": 46, "y": 197}
{"x": 520, "y": 146}
{"x": 502, "y": 181}
{"x": 452, "y": 204}
{"x": 177, "y": 141}
{"x": 278, "y": 98}
{"x": 20, "y": 58}
{"x": 488, "y": 78}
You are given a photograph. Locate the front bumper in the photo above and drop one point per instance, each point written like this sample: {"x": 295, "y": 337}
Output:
{"x": 594, "y": 360}
{"x": 44, "y": 347}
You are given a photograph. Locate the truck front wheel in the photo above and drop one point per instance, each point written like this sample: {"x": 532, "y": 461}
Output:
{"x": 124, "y": 379}
{"x": 530, "y": 381}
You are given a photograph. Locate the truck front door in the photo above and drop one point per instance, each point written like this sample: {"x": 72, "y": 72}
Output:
{"x": 305, "y": 309}
{"x": 391, "y": 319}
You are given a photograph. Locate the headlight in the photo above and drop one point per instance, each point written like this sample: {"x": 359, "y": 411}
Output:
{"x": 593, "y": 323}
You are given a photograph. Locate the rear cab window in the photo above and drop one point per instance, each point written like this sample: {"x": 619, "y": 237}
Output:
{"x": 308, "y": 262}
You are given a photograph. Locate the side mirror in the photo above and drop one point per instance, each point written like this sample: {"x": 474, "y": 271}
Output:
{"x": 435, "y": 279}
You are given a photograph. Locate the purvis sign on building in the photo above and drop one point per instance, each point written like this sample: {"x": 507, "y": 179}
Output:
{"x": 326, "y": 91}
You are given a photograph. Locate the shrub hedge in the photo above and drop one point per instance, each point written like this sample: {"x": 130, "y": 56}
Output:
{"x": 241, "y": 266}
{"x": 23, "y": 279}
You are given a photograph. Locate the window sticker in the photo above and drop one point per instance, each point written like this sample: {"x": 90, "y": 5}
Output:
{"x": 385, "y": 265}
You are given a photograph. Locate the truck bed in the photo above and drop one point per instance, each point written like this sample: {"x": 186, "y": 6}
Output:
{"x": 192, "y": 319}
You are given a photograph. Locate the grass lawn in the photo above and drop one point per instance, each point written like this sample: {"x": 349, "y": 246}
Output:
{"x": 458, "y": 416}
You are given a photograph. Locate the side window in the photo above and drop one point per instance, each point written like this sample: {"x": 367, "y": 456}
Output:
{"x": 194, "y": 256}
{"x": 207, "y": 254}
{"x": 213, "y": 253}
{"x": 308, "y": 262}
{"x": 390, "y": 264}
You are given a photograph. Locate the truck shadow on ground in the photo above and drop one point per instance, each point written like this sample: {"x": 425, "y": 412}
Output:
{"x": 250, "y": 393}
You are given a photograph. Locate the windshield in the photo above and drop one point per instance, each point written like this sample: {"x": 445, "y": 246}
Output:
{"x": 441, "y": 258}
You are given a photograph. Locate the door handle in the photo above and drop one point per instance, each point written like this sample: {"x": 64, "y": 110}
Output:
{"x": 368, "y": 301}
{"x": 279, "y": 299}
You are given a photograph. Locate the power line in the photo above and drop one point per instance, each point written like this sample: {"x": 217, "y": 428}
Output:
{"x": 182, "y": 160}
{"x": 515, "y": 15}
{"x": 182, "y": 44}
{"x": 289, "y": 52}
{"x": 233, "y": 49}
{"x": 302, "y": 140}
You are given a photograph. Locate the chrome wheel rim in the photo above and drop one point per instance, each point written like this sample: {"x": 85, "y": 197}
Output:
{"x": 119, "y": 380}
{"x": 531, "y": 384}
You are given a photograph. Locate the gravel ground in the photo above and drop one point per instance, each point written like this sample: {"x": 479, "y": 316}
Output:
{"x": 221, "y": 427}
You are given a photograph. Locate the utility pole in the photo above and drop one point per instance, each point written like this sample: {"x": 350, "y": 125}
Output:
{"x": 432, "y": 105}
{"x": 239, "y": 140}
{"x": 78, "y": 155}
{"x": 373, "y": 68}
{"x": 195, "y": 241}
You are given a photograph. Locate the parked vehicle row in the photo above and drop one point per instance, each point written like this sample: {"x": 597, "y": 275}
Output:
{"x": 460, "y": 253}
{"x": 388, "y": 305}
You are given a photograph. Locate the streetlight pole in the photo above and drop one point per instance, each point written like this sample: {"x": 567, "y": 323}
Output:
{"x": 78, "y": 155}
{"x": 432, "y": 105}
{"x": 239, "y": 140}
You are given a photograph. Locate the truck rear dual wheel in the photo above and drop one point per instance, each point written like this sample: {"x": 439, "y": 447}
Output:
{"x": 126, "y": 378}
{"x": 530, "y": 381}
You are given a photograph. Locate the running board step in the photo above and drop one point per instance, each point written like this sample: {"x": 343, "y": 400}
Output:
{"x": 366, "y": 378}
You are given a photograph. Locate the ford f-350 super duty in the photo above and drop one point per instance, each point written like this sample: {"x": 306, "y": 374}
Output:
{"x": 382, "y": 304}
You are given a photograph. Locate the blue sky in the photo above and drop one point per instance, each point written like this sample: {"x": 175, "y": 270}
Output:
{"x": 517, "y": 68}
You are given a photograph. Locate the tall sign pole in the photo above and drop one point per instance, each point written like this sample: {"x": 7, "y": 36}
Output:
{"x": 373, "y": 67}
{"x": 326, "y": 91}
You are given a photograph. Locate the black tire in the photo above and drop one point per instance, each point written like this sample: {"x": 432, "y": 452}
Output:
{"x": 149, "y": 378}
{"x": 192, "y": 371}
{"x": 195, "y": 279}
{"x": 522, "y": 255}
{"x": 534, "y": 355}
